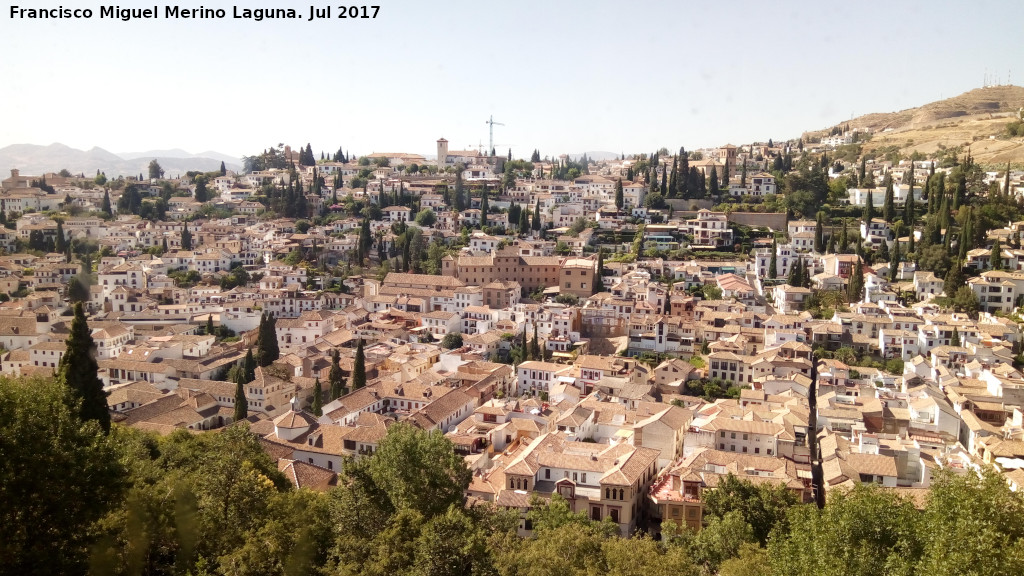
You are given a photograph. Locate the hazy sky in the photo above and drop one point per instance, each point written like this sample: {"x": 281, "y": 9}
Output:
{"x": 563, "y": 76}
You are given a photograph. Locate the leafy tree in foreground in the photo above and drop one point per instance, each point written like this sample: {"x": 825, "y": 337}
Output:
{"x": 59, "y": 475}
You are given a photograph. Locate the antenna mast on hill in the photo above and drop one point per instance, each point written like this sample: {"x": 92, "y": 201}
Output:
{"x": 492, "y": 123}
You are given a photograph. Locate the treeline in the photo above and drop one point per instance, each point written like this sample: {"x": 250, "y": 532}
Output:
{"x": 78, "y": 501}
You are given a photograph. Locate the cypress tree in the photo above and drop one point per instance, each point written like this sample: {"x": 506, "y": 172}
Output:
{"x": 536, "y": 215}
{"x": 209, "y": 324}
{"x": 796, "y": 273}
{"x": 673, "y": 181}
{"x": 714, "y": 181}
{"x": 483, "y": 207}
{"x": 888, "y": 207}
{"x": 599, "y": 281}
{"x": 267, "y": 349}
{"x": 997, "y": 256}
{"x": 241, "y": 403}
{"x": 954, "y": 279}
{"x": 894, "y": 262}
{"x": 359, "y": 368}
{"x": 856, "y": 285}
{"x": 869, "y": 209}
{"x": 819, "y": 243}
{"x": 743, "y": 175}
{"x": 524, "y": 220}
{"x": 186, "y": 238}
{"x": 773, "y": 270}
{"x": 78, "y": 369}
{"x": 844, "y": 240}
{"x": 955, "y": 340}
{"x": 619, "y": 198}
{"x": 335, "y": 379}
{"x": 106, "y": 209}
{"x": 535, "y": 345}
{"x": 61, "y": 245}
{"x": 249, "y": 367}
{"x": 318, "y": 398}
{"x": 832, "y": 242}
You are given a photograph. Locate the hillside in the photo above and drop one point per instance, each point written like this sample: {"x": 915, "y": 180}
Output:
{"x": 32, "y": 159}
{"x": 977, "y": 118}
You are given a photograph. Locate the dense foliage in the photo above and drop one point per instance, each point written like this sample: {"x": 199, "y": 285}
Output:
{"x": 131, "y": 502}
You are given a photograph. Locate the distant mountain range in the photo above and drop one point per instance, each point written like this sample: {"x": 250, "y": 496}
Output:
{"x": 33, "y": 160}
{"x": 597, "y": 155}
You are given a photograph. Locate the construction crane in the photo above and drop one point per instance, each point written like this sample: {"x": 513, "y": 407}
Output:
{"x": 492, "y": 123}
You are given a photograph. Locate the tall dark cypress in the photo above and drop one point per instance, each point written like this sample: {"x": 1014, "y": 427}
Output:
{"x": 318, "y": 398}
{"x": 249, "y": 367}
{"x": 817, "y": 471}
{"x": 819, "y": 243}
{"x": 241, "y": 403}
{"x": 359, "y": 368}
{"x": 888, "y": 206}
{"x": 267, "y": 349}
{"x": 79, "y": 369}
{"x": 335, "y": 379}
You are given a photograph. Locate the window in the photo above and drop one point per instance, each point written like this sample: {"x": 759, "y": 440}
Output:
{"x": 547, "y": 473}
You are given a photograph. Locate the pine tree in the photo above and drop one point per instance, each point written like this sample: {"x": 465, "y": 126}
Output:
{"x": 318, "y": 398}
{"x": 359, "y": 368}
{"x": 241, "y": 403}
{"x": 773, "y": 270}
{"x": 619, "y": 198}
{"x": 186, "y": 238}
{"x": 78, "y": 369}
{"x": 954, "y": 279}
{"x": 335, "y": 379}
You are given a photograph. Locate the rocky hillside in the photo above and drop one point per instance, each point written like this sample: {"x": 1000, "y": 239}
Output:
{"x": 977, "y": 119}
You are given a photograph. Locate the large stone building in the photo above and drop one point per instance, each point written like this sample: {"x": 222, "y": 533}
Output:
{"x": 571, "y": 275}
